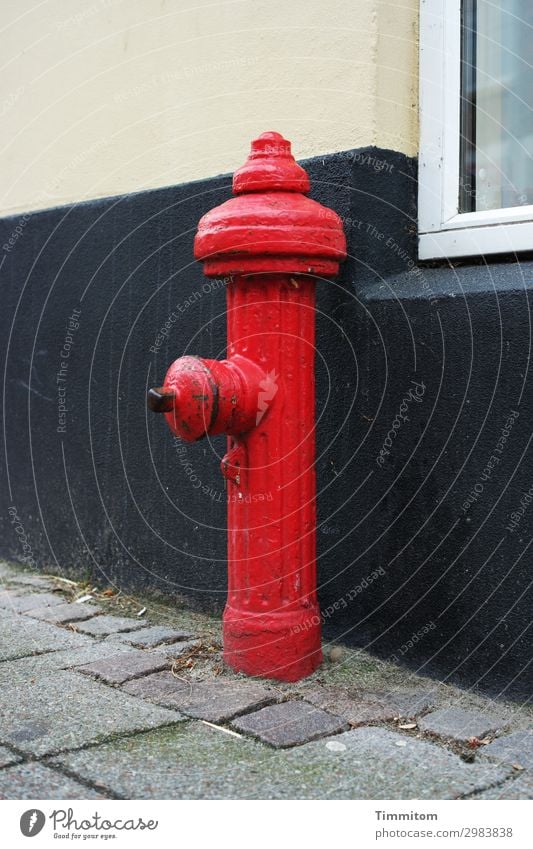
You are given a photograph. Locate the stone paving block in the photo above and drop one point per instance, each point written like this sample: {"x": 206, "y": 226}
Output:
{"x": 194, "y": 761}
{"x": 8, "y": 595}
{"x": 21, "y": 636}
{"x": 61, "y": 614}
{"x": 36, "y": 781}
{"x": 516, "y": 748}
{"x": 124, "y": 666}
{"x": 22, "y": 603}
{"x": 102, "y": 626}
{"x": 156, "y": 635}
{"x": 66, "y": 710}
{"x": 189, "y": 761}
{"x": 7, "y": 757}
{"x": 289, "y": 724}
{"x": 375, "y": 763}
{"x": 35, "y": 581}
{"x": 176, "y": 650}
{"x": 216, "y": 701}
{"x": 366, "y": 708}
{"x": 35, "y": 667}
{"x": 519, "y": 787}
{"x": 458, "y": 724}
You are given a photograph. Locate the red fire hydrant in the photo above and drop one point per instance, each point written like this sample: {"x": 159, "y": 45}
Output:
{"x": 270, "y": 243}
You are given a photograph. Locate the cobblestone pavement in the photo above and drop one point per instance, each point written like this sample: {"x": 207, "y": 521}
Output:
{"x": 107, "y": 697}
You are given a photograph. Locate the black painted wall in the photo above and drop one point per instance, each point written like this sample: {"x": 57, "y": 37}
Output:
{"x": 423, "y": 409}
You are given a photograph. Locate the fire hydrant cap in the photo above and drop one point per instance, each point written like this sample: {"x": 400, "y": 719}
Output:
{"x": 270, "y": 167}
{"x": 270, "y": 226}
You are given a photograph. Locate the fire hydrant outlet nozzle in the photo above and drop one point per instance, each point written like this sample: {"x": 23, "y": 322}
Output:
{"x": 201, "y": 397}
{"x": 270, "y": 242}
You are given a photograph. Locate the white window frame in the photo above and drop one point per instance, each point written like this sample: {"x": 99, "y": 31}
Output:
{"x": 443, "y": 231}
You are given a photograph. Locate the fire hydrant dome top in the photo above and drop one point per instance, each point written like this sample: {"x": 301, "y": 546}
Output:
{"x": 271, "y": 226}
{"x": 270, "y": 167}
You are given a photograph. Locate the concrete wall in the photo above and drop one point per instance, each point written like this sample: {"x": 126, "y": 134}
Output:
{"x": 104, "y": 97}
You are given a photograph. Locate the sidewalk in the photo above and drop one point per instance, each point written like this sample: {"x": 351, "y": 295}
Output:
{"x": 102, "y": 700}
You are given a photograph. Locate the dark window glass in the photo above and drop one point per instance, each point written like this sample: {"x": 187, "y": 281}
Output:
{"x": 496, "y": 104}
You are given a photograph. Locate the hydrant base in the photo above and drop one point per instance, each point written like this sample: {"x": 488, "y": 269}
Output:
{"x": 278, "y": 645}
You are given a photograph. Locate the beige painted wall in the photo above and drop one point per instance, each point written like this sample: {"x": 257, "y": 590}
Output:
{"x": 100, "y": 97}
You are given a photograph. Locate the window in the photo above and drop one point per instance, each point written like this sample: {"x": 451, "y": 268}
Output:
{"x": 476, "y": 127}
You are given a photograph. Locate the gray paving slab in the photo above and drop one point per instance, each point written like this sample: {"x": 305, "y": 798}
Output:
{"x": 458, "y": 724}
{"x": 61, "y": 614}
{"x": 36, "y": 781}
{"x": 175, "y": 650}
{"x": 8, "y": 595}
{"x": 289, "y": 724}
{"x": 7, "y": 757}
{"x": 20, "y": 602}
{"x": 189, "y": 761}
{"x": 125, "y": 666}
{"x": 380, "y": 764}
{"x": 36, "y": 581}
{"x": 518, "y": 787}
{"x": 21, "y": 636}
{"x": 216, "y": 701}
{"x": 28, "y": 668}
{"x": 194, "y": 761}
{"x": 103, "y": 626}
{"x": 156, "y": 635}
{"x": 516, "y": 748}
{"x": 366, "y": 708}
{"x": 66, "y": 710}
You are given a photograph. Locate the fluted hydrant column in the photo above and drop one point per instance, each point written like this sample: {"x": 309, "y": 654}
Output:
{"x": 271, "y": 618}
